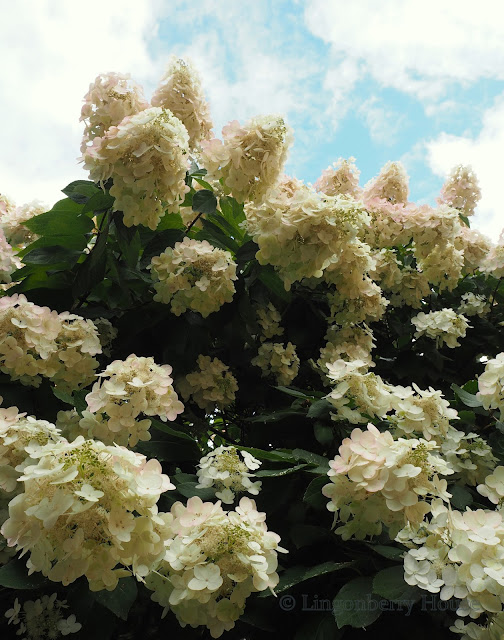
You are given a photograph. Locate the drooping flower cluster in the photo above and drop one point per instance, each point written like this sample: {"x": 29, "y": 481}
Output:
{"x": 35, "y": 342}
{"x": 351, "y": 342}
{"x": 127, "y": 389}
{"x": 461, "y": 190}
{"x": 376, "y": 481}
{"x": 86, "y": 508}
{"x": 473, "y": 305}
{"x": 275, "y": 359}
{"x": 111, "y": 98}
{"x": 146, "y": 156}
{"x": 250, "y": 159}
{"x": 268, "y": 317}
{"x": 224, "y": 469}
{"x": 445, "y": 326}
{"x": 302, "y": 232}
{"x": 214, "y": 561}
{"x": 340, "y": 179}
{"x": 194, "y": 275}
{"x": 212, "y": 385}
{"x": 458, "y": 555}
{"x": 42, "y": 618}
{"x": 491, "y": 384}
{"x": 20, "y": 436}
{"x": 180, "y": 91}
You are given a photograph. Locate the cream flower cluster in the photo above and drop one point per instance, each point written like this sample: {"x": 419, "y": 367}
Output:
{"x": 469, "y": 455}
{"x": 42, "y": 618}
{"x": 458, "y": 555}
{"x": 391, "y": 184}
{"x": 302, "y": 232}
{"x": 127, "y": 389}
{"x": 180, "y": 91}
{"x": 20, "y": 436}
{"x": 224, "y": 469}
{"x": 474, "y": 245}
{"x": 461, "y": 190}
{"x": 493, "y": 263}
{"x": 250, "y": 159}
{"x": 35, "y": 341}
{"x": 12, "y": 223}
{"x": 87, "y": 507}
{"x": 214, "y": 561}
{"x": 268, "y": 318}
{"x": 341, "y": 178}
{"x": 212, "y": 385}
{"x": 473, "y": 305}
{"x": 491, "y": 384}
{"x": 111, "y": 98}
{"x": 146, "y": 156}
{"x": 408, "y": 285}
{"x": 9, "y": 262}
{"x": 492, "y": 630}
{"x": 376, "y": 481}
{"x": 194, "y": 275}
{"x": 445, "y": 326}
{"x": 275, "y": 359}
{"x": 351, "y": 342}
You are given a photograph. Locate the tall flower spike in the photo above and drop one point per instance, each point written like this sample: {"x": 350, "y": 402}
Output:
{"x": 251, "y": 157}
{"x": 146, "y": 156}
{"x": 391, "y": 184}
{"x": 180, "y": 91}
{"x": 461, "y": 190}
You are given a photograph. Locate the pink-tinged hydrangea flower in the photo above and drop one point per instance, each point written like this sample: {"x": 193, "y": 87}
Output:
{"x": 194, "y": 275}
{"x": 391, "y": 184}
{"x": 12, "y": 222}
{"x": 88, "y": 509}
{"x": 461, "y": 190}
{"x": 127, "y": 389}
{"x": 146, "y": 156}
{"x": 111, "y": 98}
{"x": 340, "y": 179}
{"x": 9, "y": 262}
{"x": 180, "y": 91}
{"x": 275, "y": 359}
{"x": 443, "y": 326}
{"x": 215, "y": 560}
{"x": 211, "y": 386}
{"x": 224, "y": 469}
{"x": 376, "y": 481}
{"x": 250, "y": 159}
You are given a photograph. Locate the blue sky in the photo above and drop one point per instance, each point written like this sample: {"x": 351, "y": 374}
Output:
{"x": 421, "y": 81}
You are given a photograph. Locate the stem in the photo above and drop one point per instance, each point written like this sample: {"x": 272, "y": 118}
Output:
{"x": 194, "y": 222}
{"x": 494, "y": 293}
{"x": 223, "y": 435}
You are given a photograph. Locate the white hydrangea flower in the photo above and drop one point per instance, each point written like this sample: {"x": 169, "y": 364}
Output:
{"x": 376, "y": 480}
{"x": 348, "y": 343}
{"x": 461, "y": 190}
{"x": 275, "y": 359}
{"x": 12, "y": 223}
{"x": 86, "y": 508}
{"x": 491, "y": 384}
{"x": 268, "y": 318}
{"x": 146, "y": 156}
{"x": 212, "y": 385}
{"x": 444, "y": 326}
{"x": 493, "y": 486}
{"x": 474, "y": 245}
{"x": 111, "y": 98}
{"x": 469, "y": 455}
{"x": 250, "y": 159}
{"x": 214, "y": 561}
{"x": 391, "y": 184}
{"x": 127, "y": 389}
{"x": 473, "y": 305}
{"x": 42, "y": 618}
{"x": 493, "y": 262}
{"x": 194, "y": 275}
{"x": 224, "y": 469}
{"x": 180, "y": 91}
{"x": 340, "y": 178}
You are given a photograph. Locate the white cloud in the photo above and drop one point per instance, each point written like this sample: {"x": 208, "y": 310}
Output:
{"x": 415, "y": 47}
{"x": 384, "y": 124}
{"x": 484, "y": 154}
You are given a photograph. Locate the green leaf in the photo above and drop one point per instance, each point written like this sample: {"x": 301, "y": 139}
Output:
{"x": 305, "y": 534}
{"x": 14, "y": 575}
{"x": 159, "y": 243}
{"x": 99, "y": 202}
{"x": 270, "y": 279}
{"x": 266, "y": 473}
{"x": 81, "y": 190}
{"x": 294, "y": 392}
{"x": 323, "y": 433}
{"x": 204, "y": 201}
{"x": 318, "y": 627}
{"x": 170, "y": 449}
{"x": 390, "y": 584}
{"x": 392, "y": 553}
{"x": 269, "y": 455}
{"x": 188, "y": 490}
{"x": 356, "y": 605}
{"x": 320, "y": 408}
{"x": 468, "y": 399}
{"x": 64, "y": 219}
{"x": 52, "y": 255}
{"x": 295, "y": 575}
{"x": 313, "y": 458}
{"x": 63, "y": 396}
{"x": 461, "y": 497}
{"x": 275, "y": 416}
{"x": 162, "y": 426}
{"x": 128, "y": 239}
{"x": 121, "y": 599}
{"x": 78, "y": 243}
{"x": 247, "y": 252}
{"x": 92, "y": 270}
{"x": 313, "y": 494}
{"x": 170, "y": 221}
